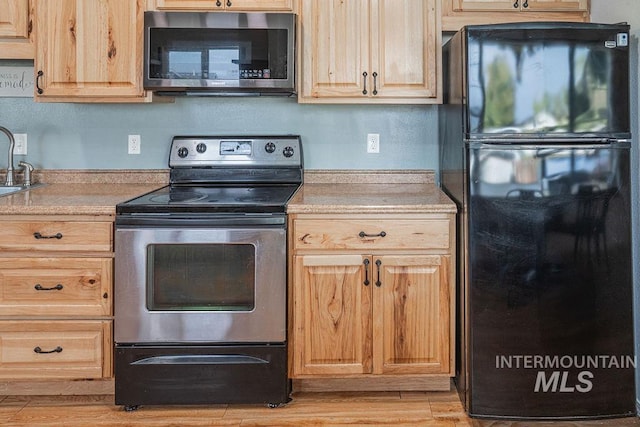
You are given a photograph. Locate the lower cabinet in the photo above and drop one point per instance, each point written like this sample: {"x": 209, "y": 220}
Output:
{"x": 56, "y": 293}
{"x": 372, "y": 314}
{"x": 372, "y": 299}
{"x": 58, "y": 349}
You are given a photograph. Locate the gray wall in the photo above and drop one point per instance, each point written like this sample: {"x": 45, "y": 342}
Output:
{"x": 94, "y": 136}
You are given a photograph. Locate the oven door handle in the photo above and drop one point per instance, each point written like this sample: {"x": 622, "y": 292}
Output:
{"x": 201, "y": 359}
{"x": 197, "y": 221}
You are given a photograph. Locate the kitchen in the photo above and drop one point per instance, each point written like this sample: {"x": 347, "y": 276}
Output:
{"x": 93, "y": 136}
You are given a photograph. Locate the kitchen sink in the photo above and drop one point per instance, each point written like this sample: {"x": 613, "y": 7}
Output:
{"x": 6, "y": 190}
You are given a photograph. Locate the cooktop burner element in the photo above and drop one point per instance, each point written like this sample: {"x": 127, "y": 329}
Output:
{"x": 252, "y": 174}
{"x": 178, "y": 197}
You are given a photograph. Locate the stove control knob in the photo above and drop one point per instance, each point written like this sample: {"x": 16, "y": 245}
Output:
{"x": 183, "y": 152}
{"x": 270, "y": 147}
{"x": 201, "y": 148}
{"x": 288, "y": 151}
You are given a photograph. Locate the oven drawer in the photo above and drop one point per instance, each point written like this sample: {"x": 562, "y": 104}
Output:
{"x": 371, "y": 234}
{"x": 195, "y": 374}
{"x": 56, "y": 236}
{"x": 55, "y": 349}
{"x": 56, "y": 286}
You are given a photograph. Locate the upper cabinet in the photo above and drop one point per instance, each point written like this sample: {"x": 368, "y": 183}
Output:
{"x": 370, "y": 51}
{"x": 15, "y": 29}
{"x": 230, "y": 5}
{"x": 89, "y": 51}
{"x": 520, "y": 5}
{"x": 457, "y": 13}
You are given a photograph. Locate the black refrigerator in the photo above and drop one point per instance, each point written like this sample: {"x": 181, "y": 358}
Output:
{"x": 535, "y": 150}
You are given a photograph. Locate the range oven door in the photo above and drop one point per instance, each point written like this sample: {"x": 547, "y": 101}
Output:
{"x": 184, "y": 284}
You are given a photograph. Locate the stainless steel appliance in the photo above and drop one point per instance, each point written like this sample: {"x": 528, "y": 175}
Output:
{"x": 200, "y": 276}
{"x": 219, "y": 53}
{"x": 535, "y": 149}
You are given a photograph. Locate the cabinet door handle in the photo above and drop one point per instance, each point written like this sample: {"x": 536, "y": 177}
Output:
{"x": 228, "y": 3}
{"x": 218, "y": 3}
{"x": 39, "y": 236}
{"x": 362, "y": 234}
{"x": 38, "y": 88}
{"x": 39, "y": 287}
{"x": 375, "y": 83}
{"x": 378, "y": 264}
{"x": 525, "y": 4}
{"x": 364, "y": 82}
{"x": 38, "y": 350}
{"x": 515, "y": 5}
{"x": 366, "y": 272}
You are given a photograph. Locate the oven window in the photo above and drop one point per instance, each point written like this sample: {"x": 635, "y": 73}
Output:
{"x": 201, "y": 277}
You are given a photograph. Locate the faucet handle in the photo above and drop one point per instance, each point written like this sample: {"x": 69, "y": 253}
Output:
{"x": 28, "y": 168}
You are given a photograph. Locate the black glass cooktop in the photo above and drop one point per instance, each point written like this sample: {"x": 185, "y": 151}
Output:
{"x": 269, "y": 198}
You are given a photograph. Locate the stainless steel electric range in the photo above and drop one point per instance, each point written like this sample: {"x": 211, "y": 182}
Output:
{"x": 200, "y": 276}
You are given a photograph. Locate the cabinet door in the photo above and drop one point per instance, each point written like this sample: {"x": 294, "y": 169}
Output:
{"x": 524, "y": 5}
{"x": 260, "y": 5}
{"x": 468, "y": 5}
{"x": 15, "y": 30}
{"x": 412, "y": 315}
{"x": 335, "y": 48}
{"x": 240, "y": 5}
{"x": 190, "y": 4}
{"x": 332, "y": 315}
{"x": 14, "y": 19}
{"x": 405, "y": 49}
{"x": 89, "y": 48}
{"x": 553, "y": 5}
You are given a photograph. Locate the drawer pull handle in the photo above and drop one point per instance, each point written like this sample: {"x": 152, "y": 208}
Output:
{"x": 57, "y": 287}
{"x": 38, "y": 235}
{"x": 380, "y": 234}
{"x": 378, "y": 282}
{"x": 41, "y": 351}
{"x": 366, "y": 272}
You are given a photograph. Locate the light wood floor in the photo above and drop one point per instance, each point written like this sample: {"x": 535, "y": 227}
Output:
{"x": 434, "y": 409}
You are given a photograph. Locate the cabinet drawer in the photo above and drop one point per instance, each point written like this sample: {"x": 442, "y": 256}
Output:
{"x": 56, "y": 286}
{"x": 56, "y": 236}
{"x": 55, "y": 349}
{"x": 371, "y": 234}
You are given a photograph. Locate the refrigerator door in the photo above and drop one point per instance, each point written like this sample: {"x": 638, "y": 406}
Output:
{"x": 547, "y": 80}
{"x": 549, "y": 290}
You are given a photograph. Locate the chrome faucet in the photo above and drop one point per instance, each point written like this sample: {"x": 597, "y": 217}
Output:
{"x": 12, "y": 143}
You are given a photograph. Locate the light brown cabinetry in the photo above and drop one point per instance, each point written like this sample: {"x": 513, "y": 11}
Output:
{"x": 520, "y": 5}
{"x": 89, "y": 51}
{"x": 56, "y": 295}
{"x": 55, "y": 349}
{"x": 372, "y": 299}
{"x": 230, "y": 5}
{"x": 370, "y": 51}
{"x": 15, "y": 29}
{"x": 457, "y": 13}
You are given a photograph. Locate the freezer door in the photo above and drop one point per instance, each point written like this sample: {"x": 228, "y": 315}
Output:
{"x": 549, "y": 289}
{"x": 533, "y": 79}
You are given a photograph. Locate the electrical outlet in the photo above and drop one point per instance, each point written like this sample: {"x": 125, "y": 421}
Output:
{"x": 134, "y": 144}
{"x": 373, "y": 143}
{"x": 21, "y": 144}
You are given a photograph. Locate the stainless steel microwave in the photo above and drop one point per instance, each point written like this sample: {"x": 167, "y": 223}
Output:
{"x": 219, "y": 53}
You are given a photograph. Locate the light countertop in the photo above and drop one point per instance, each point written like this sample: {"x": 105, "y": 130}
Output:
{"x": 370, "y": 192}
{"x": 98, "y": 192}
{"x": 81, "y": 192}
